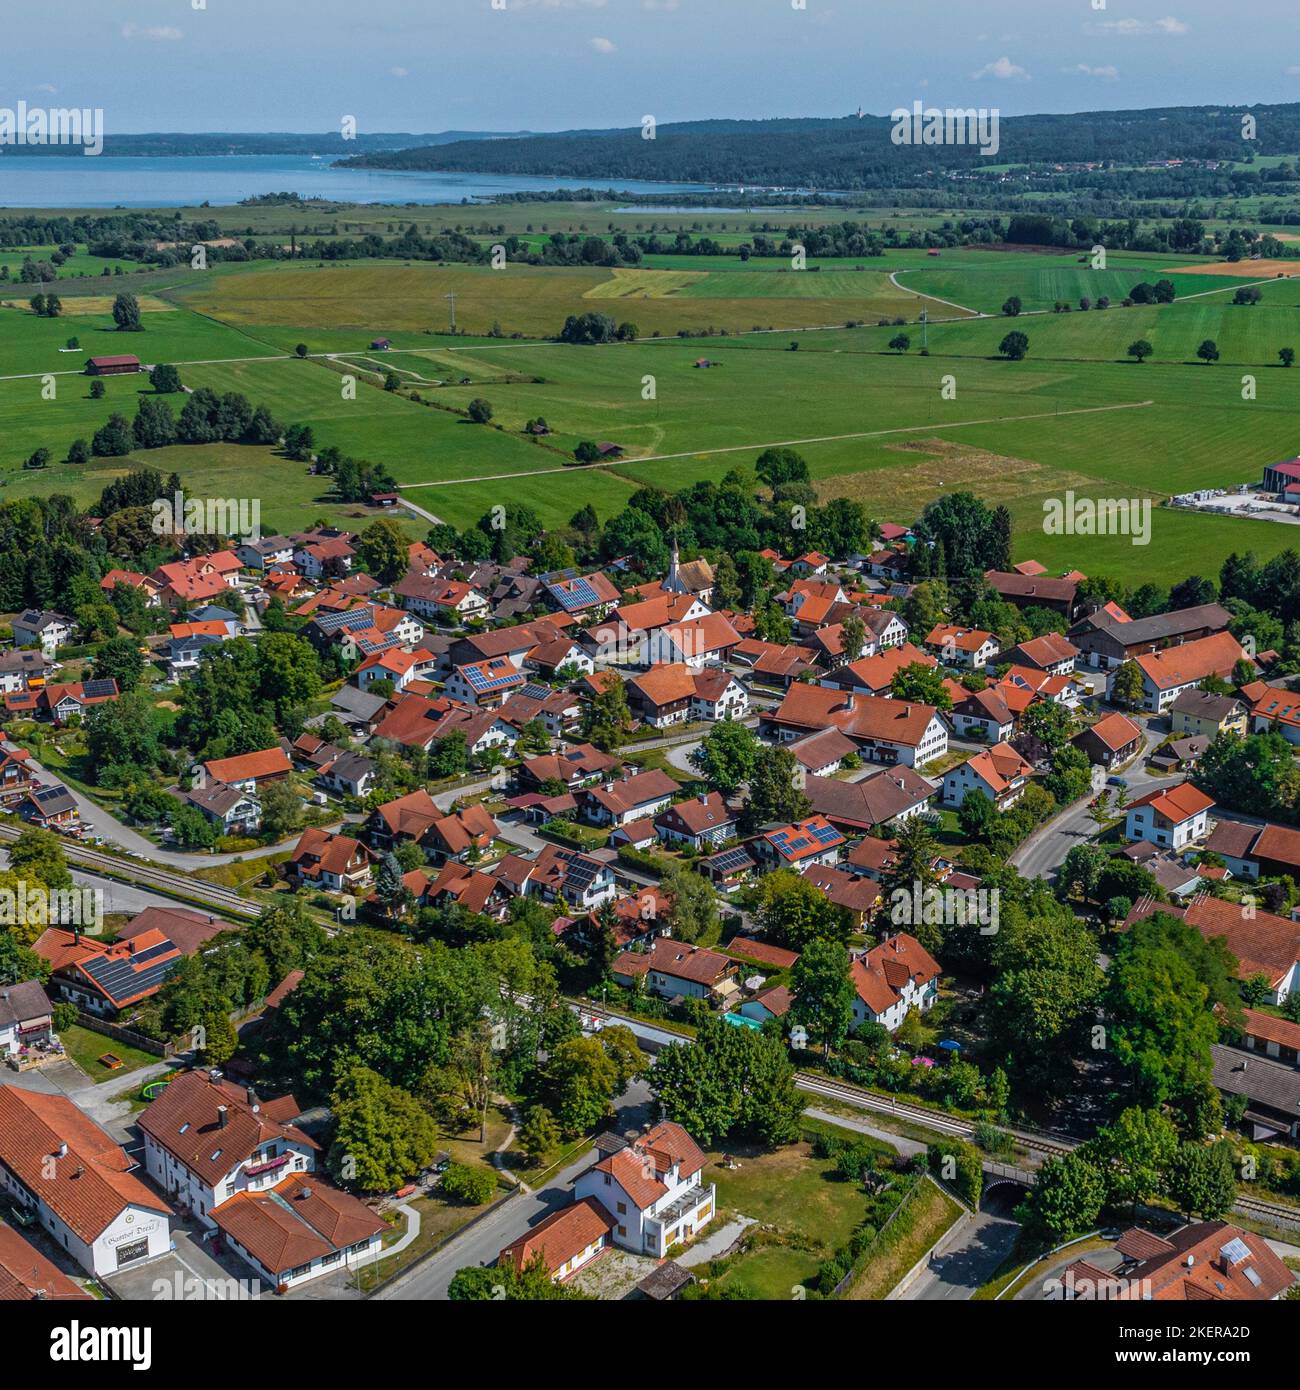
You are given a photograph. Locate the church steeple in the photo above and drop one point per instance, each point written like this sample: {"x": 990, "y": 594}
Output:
{"x": 673, "y": 584}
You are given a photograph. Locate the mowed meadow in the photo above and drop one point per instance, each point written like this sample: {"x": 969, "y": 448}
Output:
{"x": 535, "y": 301}
{"x": 893, "y": 430}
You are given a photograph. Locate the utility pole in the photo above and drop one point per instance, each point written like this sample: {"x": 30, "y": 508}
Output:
{"x": 452, "y": 297}
{"x": 925, "y": 328}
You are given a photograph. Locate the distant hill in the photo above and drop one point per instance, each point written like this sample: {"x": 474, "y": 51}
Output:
{"x": 853, "y": 152}
{"x": 183, "y": 143}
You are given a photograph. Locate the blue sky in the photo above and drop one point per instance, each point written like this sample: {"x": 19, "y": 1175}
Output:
{"x": 426, "y": 65}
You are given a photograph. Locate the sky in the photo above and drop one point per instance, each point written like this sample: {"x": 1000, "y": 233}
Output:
{"x": 432, "y": 65}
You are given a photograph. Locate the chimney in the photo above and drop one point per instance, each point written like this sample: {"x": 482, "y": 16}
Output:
{"x": 221, "y": 1116}
{"x": 76, "y": 934}
{"x": 250, "y": 1095}
{"x": 704, "y": 798}
{"x": 848, "y": 701}
{"x": 305, "y": 1193}
{"x": 62, "y": 1151}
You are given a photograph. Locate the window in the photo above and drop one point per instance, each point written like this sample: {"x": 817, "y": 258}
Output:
{"x": 332, "y": 1258}
{"x": 622, "y": 1208}
{"x": 622, "y": 1230}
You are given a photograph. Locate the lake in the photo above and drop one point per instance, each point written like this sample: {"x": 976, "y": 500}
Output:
{"x": 79, "y": 181}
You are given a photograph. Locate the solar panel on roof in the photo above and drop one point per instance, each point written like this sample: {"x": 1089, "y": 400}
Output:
{"x": 731, "y": 859}
{"x": 825, "y": 834}
{"x": 94, "y": 689}
{"x": 482, "y": 683}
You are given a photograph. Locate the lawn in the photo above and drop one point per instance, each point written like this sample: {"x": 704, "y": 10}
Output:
{"x": 85, "y": 1048}
{"x": 805, "y": 1209}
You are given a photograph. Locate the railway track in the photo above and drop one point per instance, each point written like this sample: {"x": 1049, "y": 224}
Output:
{"x": 943, "y": 1124}
{"x": 145, "y": 875}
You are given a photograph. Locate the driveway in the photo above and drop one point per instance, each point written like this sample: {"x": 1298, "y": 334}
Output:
{"x": 189, "y": 1272}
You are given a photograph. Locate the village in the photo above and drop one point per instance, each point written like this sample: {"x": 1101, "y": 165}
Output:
{"x": 826, "y": 851}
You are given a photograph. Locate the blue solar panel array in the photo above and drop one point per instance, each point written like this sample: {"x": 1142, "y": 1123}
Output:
{"x": 732, "y": 859}
{"x": 483, "y": 683}
{"x": 122, "y": 977}
{"x": 578, "y": 594}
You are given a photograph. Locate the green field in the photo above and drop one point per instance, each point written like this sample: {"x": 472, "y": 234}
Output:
{"x": 874, "y": 425}
{"x": 378, "y": 297}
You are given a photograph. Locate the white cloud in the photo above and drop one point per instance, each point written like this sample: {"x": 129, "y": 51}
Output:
{"x": 158, "y": 33}
{"x": 1003, "y": 69}
{"x": 1109, "y": 73}
{"x": 1136, "y": 28}
{"x": 1293, "y": 72}
{"x": 603, "y": 45}
{"x": 400, "y": 72}
{"x": 48, "y": 88}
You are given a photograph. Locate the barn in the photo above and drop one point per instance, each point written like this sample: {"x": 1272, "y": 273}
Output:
{"x": 112, "y": 366}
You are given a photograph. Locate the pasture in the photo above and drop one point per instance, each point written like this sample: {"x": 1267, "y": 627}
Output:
{"x": 875, "y": 425}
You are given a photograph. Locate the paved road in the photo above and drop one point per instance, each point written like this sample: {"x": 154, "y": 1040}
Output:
{"x": 964, "y": 1260}
{"x": 104, "y": 824}
{"x": 481, "y": 1244}
{"x": 1044, "y": 852}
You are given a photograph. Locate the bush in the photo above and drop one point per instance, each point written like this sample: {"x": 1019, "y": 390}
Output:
{"x": 65, "y": 1015}
{"x": 470, "y": 1183}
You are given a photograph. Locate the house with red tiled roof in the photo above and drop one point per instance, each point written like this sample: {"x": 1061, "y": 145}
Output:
{"x": 1255, "y": 850}
{"x": 104, "y": 978}
{"x": 26, "y": 1274}
{"x": 874, "y": 675}
{"x": 471, "y": 889}
{"x": 855, "y": 893}
{"x": 886, "y": 731}
{"x": 184, "y": 583}
{"x": 1263, "y": 943}
{"x": 248, "y": 771}
{"x": 335, "y": 863}
{"x": 696, "y": 641}
{"x": 894, "y": 977}
{"x": 1166, "y": 674}
{"x": 16, "y": 776}
{"x": 982, "y": 714}
{"x": 1271, "y": 1036}
{"x": 564, "y": 1242}
{"x": 1000, "y": 773}
{"x": 675, "y": 969}
{"x": 675, "y": 692}
{"x": 967, "y": 649}
{"x": 1051, "y": 653}
{"x": 58, "y": 1165}
{"x": 768, "y": 1004}
{"x": 460, "y": 835}
{"x": 799, "y": 846}
{"x": 654, "y": 1189}
{"x": 1110, "y": 741}
{"x": 299, "y": 1229}
{"x": 207, "y": 1138}
{"x": 704, "y": 822}
{"x": 323, "y": 556}
{"x": 634, "y": 796}
{"x": 1208, "y": 1262}
{"x": 1170, "y": 817}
